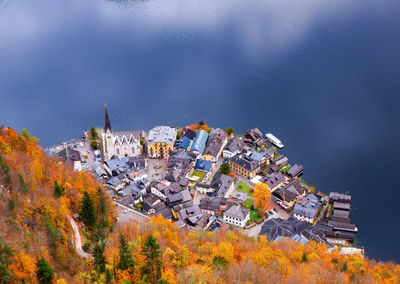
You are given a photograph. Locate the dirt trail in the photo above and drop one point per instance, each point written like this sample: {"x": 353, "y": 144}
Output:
{"x": 77, "y": 238}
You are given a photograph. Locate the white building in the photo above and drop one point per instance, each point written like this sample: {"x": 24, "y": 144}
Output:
{"x": 120, "y": 144}
{"x": 237, "y": 216}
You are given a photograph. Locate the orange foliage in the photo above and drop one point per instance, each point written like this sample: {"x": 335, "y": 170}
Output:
{"x": 262, "y": 195}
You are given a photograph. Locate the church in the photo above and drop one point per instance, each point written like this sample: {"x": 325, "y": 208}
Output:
{"x": 119, "y": 143}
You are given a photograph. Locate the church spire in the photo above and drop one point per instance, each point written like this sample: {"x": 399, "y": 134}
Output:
{"x": 107, "y": 125}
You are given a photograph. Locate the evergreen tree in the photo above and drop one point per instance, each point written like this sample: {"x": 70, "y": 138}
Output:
{"x": 102, "y": 208}
{"x": 44, "y": 273}
{"x": 125, "y": 256}
{"x": 152, "y": 263}
{"x": 58, "y": 190}
{"x": 5, "y": 260}
{"x": 88, "y": 214}
{"x": 99, "y": 258}
{"x": 225, "y": 168}
{"x": 109, "y": 276}
{"x": 26, "y": 134}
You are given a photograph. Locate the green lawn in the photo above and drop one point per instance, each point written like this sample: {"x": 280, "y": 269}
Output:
{"x": 198, "y": 174}
{"x": 285, "y": 169}
{"x": 248, "y": 202}
{"x": 244, "y": 187}
{"x": 253, "y": 215}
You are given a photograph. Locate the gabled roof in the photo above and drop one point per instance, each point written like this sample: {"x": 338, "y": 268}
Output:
{"x": 295, "y": 170}
{"x": 244, "y": 163}
{"x": 221, "y": 183}
{"x": 273, "y": 179}
{"x": 200, "y": 141}
{"x": 126, "y": 137}
{"x": 189, "y": 133}
{"x": 235, "y": 145}
{"x": 70, "y": 154}
{"x": 215, "y": 141}
{"x": 308, "y": 208}
{"x": 237, "y": 211}
{"x": 203, "y": 165}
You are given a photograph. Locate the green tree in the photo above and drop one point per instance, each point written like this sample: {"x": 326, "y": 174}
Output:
{"x": 229, "y": 130}
{"x": 44, "y": 273}
{"x": 99, "y": 258}
{"x": 5, "y": 260}
{"x": 88, "y": 213}
{"x": 58, "y": 190}
{"x": 94, "y": 144}
{"x": 152, "y": 263}
{"x": 109, "y": 276}
{"x": 25, "y": 134}
{"x": 125, "y": 255}
{"x": 225, "y": 168}
{"x": 24, "y": 186}
{"x": 93, "y": 135}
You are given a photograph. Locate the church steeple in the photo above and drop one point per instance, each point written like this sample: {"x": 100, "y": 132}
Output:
{"x": 107, "y": 126}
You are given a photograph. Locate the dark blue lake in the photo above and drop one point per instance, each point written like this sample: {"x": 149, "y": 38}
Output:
{"x": 323, "y": 76}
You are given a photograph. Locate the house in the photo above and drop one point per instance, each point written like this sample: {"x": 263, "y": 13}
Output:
{"x": 179, "y": 157}
{"x": 307, "y": 208}
{"x": 276, "y": 229}
{"x": 233, "y": 147}
{"x": 191, "y": 215}
{"x": 136, "y": 169}
{"x": 189, "y": 133}
{"x": 295, "y": 171}
{"x": 211, "y": 205}
{"x": 274, "y": 180}
{"x": 136, "y": 190}
{"x": 176, "y": 173}
{"x": 215, "y": 145}
{"x": 199, "y": 143}
{"x": 280, "y": 161}
{"x": 237, "y": 215}
{"x": 244, "y": 166}
{"x": 222, "y": 185}
{"x": 184, "y": 143}
{"x": 99, "y": 170}
{"x": 120, "y": 144}
{"x": 203, "y": 165}
{"x": 73, "y": 156}
{"x": 290, "y": 192}
{"x": 151, "y": 203}
{"x": 165, "y": 212}
{"x": 179, "y": 198}
{"x": 254, "y": 137}
{"x": 335, "y": 196}
{"x": 116, "y": 165}
{"x": 114, "y": 183}
{"x": 161, "y": 141}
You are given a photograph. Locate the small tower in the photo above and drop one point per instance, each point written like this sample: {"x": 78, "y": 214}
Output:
{"x": 107, "y": 126}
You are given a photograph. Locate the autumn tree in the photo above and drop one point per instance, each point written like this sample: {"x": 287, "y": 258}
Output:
{"x": 88, "y": 213}
{"x": 152, "y": 263}
{"x": 99, "y": 259}
{"x": 225, "y": 168}
{"x": 25, "y": 134}
{"x": 44, "y": 273}
{"x": 262, "y": 195}
{"x": 229, "y": 131}
{"x": 125, "y": 255}
{"x": 6, "y": 254}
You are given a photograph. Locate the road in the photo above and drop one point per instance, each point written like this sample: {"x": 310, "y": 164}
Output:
{"x": 77, "y": 239}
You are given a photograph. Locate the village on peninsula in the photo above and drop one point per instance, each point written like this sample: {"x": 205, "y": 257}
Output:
{"x": 205, "y": 178}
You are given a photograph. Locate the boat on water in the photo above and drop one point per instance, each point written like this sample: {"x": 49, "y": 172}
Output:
{"x": 273, "y": 140}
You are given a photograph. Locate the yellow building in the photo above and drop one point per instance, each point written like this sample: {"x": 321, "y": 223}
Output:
{"x": 161, "y": 141}
{"x": 244, "y": 167}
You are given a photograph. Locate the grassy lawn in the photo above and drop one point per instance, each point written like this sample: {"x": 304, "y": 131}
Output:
{"x": 245, "y": 188}
{"x": 253, "y": 215}
{"x": 248, "y": 202}
{"x": 198, "y": 174}
{"x": 285, "y": 169}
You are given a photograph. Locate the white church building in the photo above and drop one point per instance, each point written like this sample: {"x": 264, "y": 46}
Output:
{"x": 120, "y": 143}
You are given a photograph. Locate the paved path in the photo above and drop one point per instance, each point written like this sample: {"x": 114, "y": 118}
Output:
{"x": 77, "y": 238}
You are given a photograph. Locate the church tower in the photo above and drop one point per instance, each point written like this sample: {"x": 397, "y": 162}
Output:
{"x": 107, "y": 126}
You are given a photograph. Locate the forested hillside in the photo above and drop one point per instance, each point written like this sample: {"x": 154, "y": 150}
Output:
{"x": 38, "y": 192}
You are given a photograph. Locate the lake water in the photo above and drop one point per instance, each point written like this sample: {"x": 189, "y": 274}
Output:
{"x": 323, "y": 76}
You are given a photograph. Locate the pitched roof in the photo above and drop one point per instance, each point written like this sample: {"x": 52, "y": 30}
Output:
{"x": 273, "y": 179}
{"x": 70, "y": 154}
{"x": 307, "y": 207}
{"x": 203, "y": 165}
{"x": 237, "y": 211}
{"x": 215, "y": 141}
{"x": 295, "y": 170}
{"x": 200, "y": 141}
{"x": 235, "y": 144}
{"x": 244, "y": 163}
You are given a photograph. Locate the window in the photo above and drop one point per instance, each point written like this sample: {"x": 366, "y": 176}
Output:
{"x": 133, "y": 150}
{"x": 117, "y": 151}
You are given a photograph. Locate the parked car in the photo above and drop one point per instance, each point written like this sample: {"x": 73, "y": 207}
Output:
{"x": 275, "y": 210}
{"x": 271, "y": 212}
